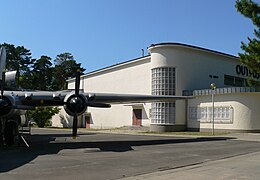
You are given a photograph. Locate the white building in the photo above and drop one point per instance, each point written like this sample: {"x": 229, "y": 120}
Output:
{"x": 175, "y": 69}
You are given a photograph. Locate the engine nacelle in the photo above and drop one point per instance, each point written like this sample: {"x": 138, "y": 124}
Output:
{"x": 75, "y": 104}
{"x": 11, "y": 80}
{"x": 8, "y": 111}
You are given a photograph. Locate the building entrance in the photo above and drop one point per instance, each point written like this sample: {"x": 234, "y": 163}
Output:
{"x": 87, "y": 121}
{"x": 137, "y": 117}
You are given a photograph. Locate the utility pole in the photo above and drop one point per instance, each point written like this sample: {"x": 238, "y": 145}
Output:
{"x": 213, "y": 91}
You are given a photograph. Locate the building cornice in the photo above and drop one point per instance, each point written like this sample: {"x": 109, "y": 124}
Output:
{"x": 112, "y": 67}
{"x": 169, "y": 44}
{"x": 152, "y": 46}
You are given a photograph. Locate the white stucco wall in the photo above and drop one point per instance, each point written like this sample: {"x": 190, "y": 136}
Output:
{"x": 245, "y": 107}
{"x": 130, "y": 78}
{"x": 193, "y": 66}
{"x": 117, "y": 116}
{"x": 133, "y": 77}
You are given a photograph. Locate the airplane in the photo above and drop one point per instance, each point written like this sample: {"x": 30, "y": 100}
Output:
{"x": 14, "y": 104}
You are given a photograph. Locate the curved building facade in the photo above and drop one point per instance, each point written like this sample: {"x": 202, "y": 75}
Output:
{"x": 175, "y": 69}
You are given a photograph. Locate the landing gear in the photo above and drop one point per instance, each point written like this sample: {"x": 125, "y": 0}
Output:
{"x": 11, "y": 133}
{"x": 1, "y": 134}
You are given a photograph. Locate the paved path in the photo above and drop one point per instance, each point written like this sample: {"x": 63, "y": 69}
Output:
{"x": 54, "y": 155}
{"x": 239, "y": 167}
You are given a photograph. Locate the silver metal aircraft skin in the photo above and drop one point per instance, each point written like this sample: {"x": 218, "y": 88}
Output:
{"x": 14, "y": 104}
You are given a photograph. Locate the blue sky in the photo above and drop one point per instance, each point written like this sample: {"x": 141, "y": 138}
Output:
{"x": 100, "y": 33}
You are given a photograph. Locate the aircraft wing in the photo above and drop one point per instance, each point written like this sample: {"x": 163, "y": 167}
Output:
{"x": 60, "y": 98}
{"x": 75, "y": 102}
{"x": 130, "y": 98}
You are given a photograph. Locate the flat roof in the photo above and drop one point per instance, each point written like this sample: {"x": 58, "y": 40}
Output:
{"x": 151, "y": 46}
{"x": 191, "y": 46}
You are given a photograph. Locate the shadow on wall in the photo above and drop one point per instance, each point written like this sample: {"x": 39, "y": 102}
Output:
{"x": 144, "y": 114}
{"x": 66, "y": 121}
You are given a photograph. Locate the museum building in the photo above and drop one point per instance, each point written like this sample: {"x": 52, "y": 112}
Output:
{"x": 175, "y": 69}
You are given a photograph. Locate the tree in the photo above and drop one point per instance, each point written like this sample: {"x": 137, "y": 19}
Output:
{"x": 65, "y": 68}
{"x": 251, "y": 55}
{"x": 18, "y": 59}
{"x": 42, "y": 73}
{"x": 42, "y": 115}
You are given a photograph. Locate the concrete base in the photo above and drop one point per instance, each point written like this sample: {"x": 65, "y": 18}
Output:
{"x": 167, "y": 128}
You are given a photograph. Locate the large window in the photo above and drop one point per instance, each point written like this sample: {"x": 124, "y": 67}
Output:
{"x": 234, "y": 81}
{"x": 223, "y": 114}
{"x": 163, "y": 83}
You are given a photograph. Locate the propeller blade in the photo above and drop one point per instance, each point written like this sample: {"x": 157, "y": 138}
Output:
{"x": 98, "y": 105}
{"x": 2, "y": 61}
{"x": 23, "y": 107}
{"x": 77, "y": 82}
{"x": 75, "y": 126}
{"x": 2, "y": 84}
{"x": 2, "y": 69}
{"x": 75, "y": 117}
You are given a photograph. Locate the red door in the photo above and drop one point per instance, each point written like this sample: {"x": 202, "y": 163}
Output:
{"x": 137, "y": 117}
{"x": 87, "y": 120}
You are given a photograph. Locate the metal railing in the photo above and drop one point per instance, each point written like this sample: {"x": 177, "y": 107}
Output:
{"x": 227, "y": 90}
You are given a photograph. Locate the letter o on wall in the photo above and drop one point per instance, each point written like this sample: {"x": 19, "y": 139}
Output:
{"x": 238, "y": 69}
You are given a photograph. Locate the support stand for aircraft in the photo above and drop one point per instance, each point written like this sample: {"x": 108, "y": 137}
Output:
{"x": 22, "y": 139}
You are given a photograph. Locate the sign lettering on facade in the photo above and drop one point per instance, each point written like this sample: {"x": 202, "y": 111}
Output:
{"x": 244, "y": 71}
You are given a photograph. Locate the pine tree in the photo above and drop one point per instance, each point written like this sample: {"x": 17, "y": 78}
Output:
{"x": 251, "y": 55}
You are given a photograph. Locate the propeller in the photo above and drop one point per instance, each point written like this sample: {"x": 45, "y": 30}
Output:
{"x": 76, "y": 102}
{"x": 2, "y": 84}
{"x": 2, "y": 69}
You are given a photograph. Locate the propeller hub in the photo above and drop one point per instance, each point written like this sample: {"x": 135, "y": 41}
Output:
{"x": 75, "y": 104}
{"x": 5, "y": 105}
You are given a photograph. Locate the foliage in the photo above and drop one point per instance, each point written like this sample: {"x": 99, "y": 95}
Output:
{"x": 42, "y": 115}
{"x": 41, "y": 74}
{"x": 19, "y": 59}
{"x": 251, "y": 55}
{"x": 65, "y": 67}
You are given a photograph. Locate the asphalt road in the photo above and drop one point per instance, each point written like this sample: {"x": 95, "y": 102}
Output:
{"x": 53, "y": 154}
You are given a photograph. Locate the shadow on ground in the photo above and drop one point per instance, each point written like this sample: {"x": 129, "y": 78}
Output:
{"x": 44, "y": 144}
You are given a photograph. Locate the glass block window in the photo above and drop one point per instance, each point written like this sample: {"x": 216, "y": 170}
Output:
{"x": 222, "y": 114}
{"x": 163, "y": 83}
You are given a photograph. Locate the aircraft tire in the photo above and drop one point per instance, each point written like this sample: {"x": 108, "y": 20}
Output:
{"x": 1, "y": 138}
{"x": 1, "y": 135}
{"x": 10, "y": 133}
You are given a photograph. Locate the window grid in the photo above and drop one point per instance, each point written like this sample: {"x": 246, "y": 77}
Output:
{"x": 204, "y": 114}
{"x": 237, "y": 81}
{"x": 163, "y": 83}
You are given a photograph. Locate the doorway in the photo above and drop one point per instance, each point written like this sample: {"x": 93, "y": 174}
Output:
{"x": 87, "y": 121}
{"x": 137, "y": 117}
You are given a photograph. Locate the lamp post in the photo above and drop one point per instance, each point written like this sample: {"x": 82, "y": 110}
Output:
{"x": 213, "y": 88}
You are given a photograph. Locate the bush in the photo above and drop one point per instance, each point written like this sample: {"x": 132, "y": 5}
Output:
{"x": 43, "y": 115}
